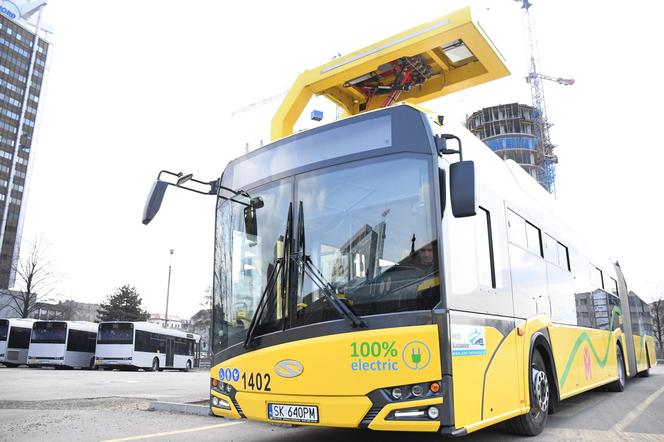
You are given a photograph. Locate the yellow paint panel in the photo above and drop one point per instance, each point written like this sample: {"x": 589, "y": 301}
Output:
{"x": 467, "y": 376}
{"x": 502, "y": 391}
{"x": 338, "y": 370}
{"x": 650, "y": 345}
{"x": 584, "y": 357}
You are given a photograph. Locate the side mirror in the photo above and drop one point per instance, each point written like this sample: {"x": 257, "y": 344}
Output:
{"x": 250, "y": 224}
{"x": 155, "y": 198}
{"x": 462, "y": 189}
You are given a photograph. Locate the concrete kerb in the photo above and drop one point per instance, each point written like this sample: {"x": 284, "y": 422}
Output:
{"x": 175, "y": 407}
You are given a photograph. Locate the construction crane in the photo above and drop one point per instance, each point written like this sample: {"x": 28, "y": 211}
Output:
{"x": 545, "y": 157}
{"x": 259, "y": 103}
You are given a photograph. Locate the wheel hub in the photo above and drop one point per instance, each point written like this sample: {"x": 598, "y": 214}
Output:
{"x": 541, "y": 392}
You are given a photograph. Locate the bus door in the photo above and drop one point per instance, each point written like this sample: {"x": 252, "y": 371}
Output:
{"x": 170, "y": 348}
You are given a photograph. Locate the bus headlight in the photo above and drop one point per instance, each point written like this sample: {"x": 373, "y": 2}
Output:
{"x": 417, "y": 390}
{"x": 396, "y": 393}
{"x": 433, "y": 412}
{"x": 220, "y": 403}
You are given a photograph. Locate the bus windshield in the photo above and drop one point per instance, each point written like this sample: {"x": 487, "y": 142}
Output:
{"x": 4, "y": 327}
{"x": 49, "y": 333}
{"x": 116, "y": 333}
{"x": 367, "y": 227}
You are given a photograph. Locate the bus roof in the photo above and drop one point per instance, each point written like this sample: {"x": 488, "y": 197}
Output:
{"x": 154, "y": 328}
{"x": 75, "y": 325}
{"x": 20, "y": 322}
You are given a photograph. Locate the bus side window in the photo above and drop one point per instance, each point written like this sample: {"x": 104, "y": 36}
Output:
{"x": 596, "y": 277}
{"x": 486, "y": 272}
{"x": 516, "y": 229}
{"x": 534, "y": 239}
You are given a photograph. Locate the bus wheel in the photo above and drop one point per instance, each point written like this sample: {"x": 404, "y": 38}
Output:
{"x": 645, "y": 373}
{"x": 619, "y": 384}
{"x": 155, "y": 365}
{"x": 533, "y": 422}
{"x": 187, "y": 366}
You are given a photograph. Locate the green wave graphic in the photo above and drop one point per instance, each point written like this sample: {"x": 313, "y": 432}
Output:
{"x": 585, "y": 338}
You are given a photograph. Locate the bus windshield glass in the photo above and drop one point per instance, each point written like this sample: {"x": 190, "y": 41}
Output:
{"x": 367, "y": 227}
{"x": 4, "y": 327}
{"x": 115, "y": 333}
{"x": 49, "y": 333}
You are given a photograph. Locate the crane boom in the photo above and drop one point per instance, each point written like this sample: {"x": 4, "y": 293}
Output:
{"x": 545, "y": 157}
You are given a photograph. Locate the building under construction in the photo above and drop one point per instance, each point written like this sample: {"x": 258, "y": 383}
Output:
{"x": 510, "y": 131}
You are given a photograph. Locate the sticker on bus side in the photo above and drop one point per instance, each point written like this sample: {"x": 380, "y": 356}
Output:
{"x": 468, "y": 340}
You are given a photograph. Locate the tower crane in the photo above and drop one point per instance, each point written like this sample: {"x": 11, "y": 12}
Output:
{"x": 258, "y": 103}
{"x": 545, "y": 157}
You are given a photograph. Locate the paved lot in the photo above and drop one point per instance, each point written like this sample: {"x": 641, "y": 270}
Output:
{"x": 80, "y": 384}
{"x": 113, "y": 406}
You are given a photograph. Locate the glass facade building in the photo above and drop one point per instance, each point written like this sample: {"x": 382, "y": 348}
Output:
{"x": 19, "y": 105}
{"x": 509, "y": 130}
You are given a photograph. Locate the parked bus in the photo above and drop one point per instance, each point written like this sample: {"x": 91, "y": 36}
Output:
{"x": 14, "y": 341}
{"x": 430, "y": 294}
{"x": 63, "y": 344}
{"x": 134, "y": 345}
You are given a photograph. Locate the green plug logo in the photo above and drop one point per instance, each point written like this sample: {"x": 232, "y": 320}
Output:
{"x": 416, "y": 357}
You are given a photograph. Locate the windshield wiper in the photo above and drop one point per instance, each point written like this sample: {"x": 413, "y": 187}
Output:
{"x": 307, "y": 267}
{"x": 280, "y": 269}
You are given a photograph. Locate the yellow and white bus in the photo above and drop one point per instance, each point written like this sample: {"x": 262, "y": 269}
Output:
{"x": 366, "y": 277}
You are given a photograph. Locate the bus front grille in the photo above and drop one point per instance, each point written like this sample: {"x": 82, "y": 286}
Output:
{"x": 237, "y": 407}
{"x": 371, "y": 415}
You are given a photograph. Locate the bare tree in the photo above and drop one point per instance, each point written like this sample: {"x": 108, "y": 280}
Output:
{"x": 35, "y": 282}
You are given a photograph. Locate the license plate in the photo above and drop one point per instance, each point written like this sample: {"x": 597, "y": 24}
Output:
{"x": 293, "y": 413}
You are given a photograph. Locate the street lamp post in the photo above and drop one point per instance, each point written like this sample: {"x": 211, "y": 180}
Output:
{"x": 168, "y": 289}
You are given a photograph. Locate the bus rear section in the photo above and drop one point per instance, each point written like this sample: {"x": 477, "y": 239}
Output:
{"x": 4, "y": 331}
{"x": 115, "y": 345}
{"x": 68, "y": 344}
{"x": 14, "y": 349}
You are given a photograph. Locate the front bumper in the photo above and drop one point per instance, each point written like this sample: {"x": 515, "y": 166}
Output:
{"x": 334, "y": 411}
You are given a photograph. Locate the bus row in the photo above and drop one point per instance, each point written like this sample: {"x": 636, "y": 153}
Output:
{"x": 108, "y": 345}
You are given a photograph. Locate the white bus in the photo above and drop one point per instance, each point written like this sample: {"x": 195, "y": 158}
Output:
{"x": 14, "y": 341}
{"x": 61, "y": 344}
{"x": 134, "y": 345}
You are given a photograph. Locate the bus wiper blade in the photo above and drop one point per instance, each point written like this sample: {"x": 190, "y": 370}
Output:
{"x": 307, "y": 266}
{"x": 280, "y": 268}
{"x": 264, "y": 300}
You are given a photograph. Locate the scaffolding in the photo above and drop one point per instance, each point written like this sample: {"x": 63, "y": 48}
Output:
{"x": 514, "y": 132}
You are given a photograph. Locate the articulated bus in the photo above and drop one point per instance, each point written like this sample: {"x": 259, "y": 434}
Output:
{"x": 366, "y": 276}
{"x": 63, "y": 344}
{"x": 134, "y": 345}
{"x": 14, "y": 341}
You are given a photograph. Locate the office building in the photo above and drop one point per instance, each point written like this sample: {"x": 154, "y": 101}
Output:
{"x": 23, "y": 67}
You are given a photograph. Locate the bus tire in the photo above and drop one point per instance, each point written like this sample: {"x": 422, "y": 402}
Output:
{"x": 155, "y": 365}
{"x": 533, "y": 422}
{"x": 187, "y": 366}
{"x": 619, "y": 384}
{"x": 645, "y": 373}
